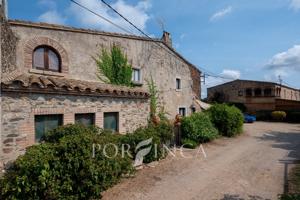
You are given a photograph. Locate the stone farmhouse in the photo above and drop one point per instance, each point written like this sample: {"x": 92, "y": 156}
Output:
{"x": 49, "y": 78}
{"x": 257, "y": 95}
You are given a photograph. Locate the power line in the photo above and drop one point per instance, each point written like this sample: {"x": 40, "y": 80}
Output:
{"x": 141, "y": 31}
{"x": 132, "y": 24}
{"x": 100, "y": 16}
{"x": 223, "y": 77}
{"x": 127, "y": 20}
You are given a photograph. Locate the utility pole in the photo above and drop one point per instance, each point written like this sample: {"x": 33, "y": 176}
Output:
{"x": 280, "y": 84}
{"x": 280, "y": 80}
{"x": 202, "y": 78}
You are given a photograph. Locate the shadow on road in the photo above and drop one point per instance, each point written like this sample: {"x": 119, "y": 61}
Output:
{"x": 289, "y": 141}
{"x": 237, "y": 197}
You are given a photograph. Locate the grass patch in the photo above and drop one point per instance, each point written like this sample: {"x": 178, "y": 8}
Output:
{"x": 294, "y": 185}
{"x": 295, "y": 180}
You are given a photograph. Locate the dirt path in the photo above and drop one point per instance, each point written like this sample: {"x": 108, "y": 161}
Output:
{"x": 251, "y": 166}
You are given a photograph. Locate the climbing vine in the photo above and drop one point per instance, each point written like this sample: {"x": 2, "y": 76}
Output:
{"x": 114, "y": 66}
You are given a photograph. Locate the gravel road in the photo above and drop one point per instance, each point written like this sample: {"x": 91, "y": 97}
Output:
{"x": 251, "y": 166}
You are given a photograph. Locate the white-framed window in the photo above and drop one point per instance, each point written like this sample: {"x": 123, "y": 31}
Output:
{"x": 182, "y": 111}
{"x": 136, "y": 75}
{"x": 178, "y": 84}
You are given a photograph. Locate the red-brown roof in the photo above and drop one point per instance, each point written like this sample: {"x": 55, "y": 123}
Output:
{"x": 57, "y": 85}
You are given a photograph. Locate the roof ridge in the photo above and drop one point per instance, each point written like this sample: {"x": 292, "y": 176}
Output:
{"x": 91, "y": 31}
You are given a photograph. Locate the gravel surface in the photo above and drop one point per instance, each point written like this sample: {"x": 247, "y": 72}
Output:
{"x": 251, "y": 166}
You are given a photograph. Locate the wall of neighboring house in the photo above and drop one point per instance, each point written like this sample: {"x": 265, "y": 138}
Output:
{"x": 258, "y": 99}
{"x": 80, "y": 46}
{"x": 289, "y": 93}
{"x": 238, "y": 92}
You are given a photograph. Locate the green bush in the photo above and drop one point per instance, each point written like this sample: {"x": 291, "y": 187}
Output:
{"x": 240, "y": 106}
{"x": 189, "y": 144}
{"x": 71, "y": 163}
{"x": 278, "y": 115}
{"x": 71, "y": 129}
{"x": 30, "y": 176}
{"x": 66, "y": 169}
{"x": 165, "y": 132}
{"x": 227, "y": 119}
{"x": 198, "y": 128}
{"x": 143, "y": 134}
{"x": 289, "y": 197}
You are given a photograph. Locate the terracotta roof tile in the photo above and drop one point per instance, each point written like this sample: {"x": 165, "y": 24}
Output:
{"x": 48, "y": 83}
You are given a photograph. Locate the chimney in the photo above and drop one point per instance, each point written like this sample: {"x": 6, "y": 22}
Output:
{"x": 166, "y": 38}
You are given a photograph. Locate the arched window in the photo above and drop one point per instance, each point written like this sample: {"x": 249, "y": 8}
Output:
{"x": 46, "y": 58}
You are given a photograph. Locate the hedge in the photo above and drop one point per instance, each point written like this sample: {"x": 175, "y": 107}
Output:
{"x": 65, "y": 170}
{"x": 227, "y": 119}
{"x": 65, "y": 167}
{"x": 198, "y": 128}
{"x": 278, "y": 115}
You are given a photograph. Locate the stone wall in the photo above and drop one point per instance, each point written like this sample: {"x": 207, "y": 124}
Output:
{"x": 8, "y": 47}
{"x": 196, "y": 77}
{"x": 153, "y": 58}
{"x": 19, "y": 109}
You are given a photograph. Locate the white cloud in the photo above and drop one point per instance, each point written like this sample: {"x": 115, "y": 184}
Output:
{"x": 213, "y": 81}
{"x": 182, "y": 36}
{"x": 51, "y": 4}
{"x": 52, "y": 17}
{"x": 274, "y": 75}
{"x": 283, "y": 64}
{"x": 233, "y": 74}
{"x": 220, "y": 14}
{"x": 295, "y": 4}
{"x": 288, "y": 60}
{"x": 137, "y": 14}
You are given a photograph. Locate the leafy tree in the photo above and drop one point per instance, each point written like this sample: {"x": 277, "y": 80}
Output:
{"x": 114, "y": 66}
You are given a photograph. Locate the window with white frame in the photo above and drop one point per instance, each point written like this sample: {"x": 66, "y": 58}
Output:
{"x": 136, "y": 75}
{"x": 178, "y": 83}
{"x": 182, "y": 111}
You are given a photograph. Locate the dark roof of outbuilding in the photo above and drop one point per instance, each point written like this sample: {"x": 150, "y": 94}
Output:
{"x": 58, "y": 85}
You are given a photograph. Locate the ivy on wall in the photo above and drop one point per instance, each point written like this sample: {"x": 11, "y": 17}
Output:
{"x": 114, "y": 66}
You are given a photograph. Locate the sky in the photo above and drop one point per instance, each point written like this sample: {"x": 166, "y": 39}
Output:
{"x": 233, "y": 39}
